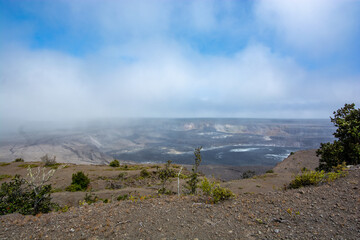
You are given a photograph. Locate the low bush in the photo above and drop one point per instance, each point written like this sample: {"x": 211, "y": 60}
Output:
{"x": 144, "y": 173}
{"x": 74, "y": 188}
{"x": 4, "y": 176}
{"x": 91, "y": 198}
{"x": 48, "y": 161}
{"x": 80, "y": 182}
{"x": 19, "y": 196}
{"x": 214, "y": 192}
{"x": 123, "y": 197}
{"x": 164, "y": 175}
{"x": 115, "y": 163}
{"x": 121, "y": 175}
{"x": 19, "y": 160}
{"x": 270, "y": 171}
{"x": 28, "y": 165}
{"x": 248, "y": 174}
{"x": 308, "y": 178}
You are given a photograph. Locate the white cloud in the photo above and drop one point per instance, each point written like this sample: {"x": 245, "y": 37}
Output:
{"x": 317, "y": 27}
{"x": 143, "y": 70}
{"x": 53, "y": 85}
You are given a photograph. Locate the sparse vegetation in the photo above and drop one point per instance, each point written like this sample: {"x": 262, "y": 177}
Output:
{"x": 80, "y": 182}
{"x": 121, "y": 175}
{"x": 28, "y": 165}
{"x": 192, "y": 183}
{"x": 114, "y": 163}
{"x": 214, "y": 192}
{"x": 27, "y": 196}
{"x": 130, "y": 168}
{"x": 164, "y": 175}
{"x": 123, "y": 197}
{"x": 347, "y": 146}
{"x": 308, "y": 178}
{"x": 270, "y": 171}
{"x": 248, "y": 174}
{"x": 4, "y": 176}
{"x": 91, "y": 198}
{"x": 3, "y": 164}
{"x": 48, "y": 161}
{"x": 144, "y": 173}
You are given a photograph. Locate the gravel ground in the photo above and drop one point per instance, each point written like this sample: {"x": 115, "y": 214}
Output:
{"x": 329, "y": 211}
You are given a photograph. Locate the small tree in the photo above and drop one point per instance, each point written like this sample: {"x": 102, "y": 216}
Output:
{"x": 115, "y": 163}
{"x": 79, "y": 182}
{"x": 347, "y": 146}
{"x": 41, "y": 191}
{"x": 27, "y": 196}
{"x": 193, "y": 181}
{"x": 164, "y": 175}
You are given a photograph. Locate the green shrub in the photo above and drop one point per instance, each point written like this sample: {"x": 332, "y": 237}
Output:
{"x": 214, "y": 192}
{"x": 3, "y": 164}
{"x": 248, "y": 174}
{"x": 18, "y": 196}
{"x": 121, "y": 175}
{"x": 19, "y": 160}
{"x": 164, "y": 175}
{"x": 74, "y": 188}
{"x": 164, "y": 191}
{"x": 270, "y": 171}
{"x": 4, "y": 176}
{"x": 221, "y": 194}
{"x": 28, "y": 165}
{"x": 115, "y": 163}
{"x": 80, "y": 182}
{"x": 304, "y": 169}
{"x": 91, "y": 198}
{"x": 144, "y": 173}
{"x": 193, "y": 181}
{"x": 308, "y": 178}
{"x": 123, "y": 197}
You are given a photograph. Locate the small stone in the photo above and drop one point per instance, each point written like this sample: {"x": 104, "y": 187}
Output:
{"x": 72, "y": 230}
{"x": 260, "y": 232}
{"x": 276, "y": 230}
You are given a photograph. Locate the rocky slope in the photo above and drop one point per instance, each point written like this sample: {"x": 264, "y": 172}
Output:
{"x": 329, "y": 211}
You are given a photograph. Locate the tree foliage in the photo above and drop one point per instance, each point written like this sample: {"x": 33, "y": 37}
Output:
{"x": 20, "y": 196}
{"x": 346, "y": 148}
{"x": 115, "y": 163}
{"x": 164, "y": 175}
{"x": 214, "y": 192}
{"x": 80, "y": 182}
{"x": 193, "y": 181}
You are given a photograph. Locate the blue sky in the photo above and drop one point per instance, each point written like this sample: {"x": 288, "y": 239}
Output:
{"x": 78, "y": 60}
